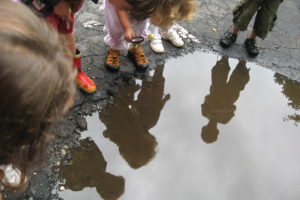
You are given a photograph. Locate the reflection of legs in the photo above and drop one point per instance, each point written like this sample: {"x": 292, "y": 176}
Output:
{"x": 158, "y": 73}
{"x": 238, "y": 80}
{"x": 219, "y": 74}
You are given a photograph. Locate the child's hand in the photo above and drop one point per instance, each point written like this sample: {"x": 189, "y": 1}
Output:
{"x": 62, "y": 9}
{"x": 129, "y": 34}
{"x": 77, "y": 5}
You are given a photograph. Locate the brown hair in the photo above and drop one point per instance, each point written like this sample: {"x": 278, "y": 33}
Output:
{"x": 169, "y": 11}
{"x": 142, "y": 9}
{"x": 37, "y": 80}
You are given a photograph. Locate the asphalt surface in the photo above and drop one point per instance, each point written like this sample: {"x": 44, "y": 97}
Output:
{"x": 279, "y": 51}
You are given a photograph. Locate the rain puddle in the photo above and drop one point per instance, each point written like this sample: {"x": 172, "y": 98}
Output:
{"x": 203, "y": 127}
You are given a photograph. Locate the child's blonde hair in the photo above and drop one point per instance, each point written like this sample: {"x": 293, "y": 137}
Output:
{"x": 37, "y": 80}
{"x": 170, "y": 11}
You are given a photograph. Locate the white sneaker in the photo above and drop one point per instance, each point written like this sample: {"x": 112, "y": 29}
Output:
{"x": 173, "y": 37}
{"x": 156, "y": 44}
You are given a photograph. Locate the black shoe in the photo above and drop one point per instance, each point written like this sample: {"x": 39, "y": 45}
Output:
{"x": 228, "y": 39}
{"x": 251, "y": 47}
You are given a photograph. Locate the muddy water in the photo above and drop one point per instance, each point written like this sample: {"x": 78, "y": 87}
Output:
{"x": 204, "y": 127}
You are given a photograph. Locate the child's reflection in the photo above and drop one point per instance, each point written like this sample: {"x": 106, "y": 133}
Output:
{"x": 291, "y": 89}
{"x": 219, "y": 106}
{"x": 88, "y": 169}
{"x": 128, "y": 121}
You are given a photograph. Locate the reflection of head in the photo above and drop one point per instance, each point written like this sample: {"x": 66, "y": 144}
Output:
{"x": 112, "y": 186}
{"x": 88, "y": 169}
{"x": 210, "y": 133}
{"x": 139, "y": 150}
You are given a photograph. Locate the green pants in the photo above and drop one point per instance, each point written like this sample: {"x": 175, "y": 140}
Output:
{"x": 265, "y": 18}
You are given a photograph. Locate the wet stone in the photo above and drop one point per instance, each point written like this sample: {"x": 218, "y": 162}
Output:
{"x": 81, "y": 123}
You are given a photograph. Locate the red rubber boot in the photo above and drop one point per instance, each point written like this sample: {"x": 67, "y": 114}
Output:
{"x": 84, "y": 82}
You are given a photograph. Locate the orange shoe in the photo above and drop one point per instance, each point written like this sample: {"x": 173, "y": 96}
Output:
{"x": 138, "y": 58}
{"x": 84, "y": 82}
{"x": 112, "y": 61}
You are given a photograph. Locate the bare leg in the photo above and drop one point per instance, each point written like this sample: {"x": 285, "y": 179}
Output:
{"x": 252, "y": 35}
{"x": 234, "y": 29}
{"x": 69, "y": 42}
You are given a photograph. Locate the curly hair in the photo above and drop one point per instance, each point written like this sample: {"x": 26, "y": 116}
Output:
{"x": 169, "y": 11}
{"x": 37, "y": 79}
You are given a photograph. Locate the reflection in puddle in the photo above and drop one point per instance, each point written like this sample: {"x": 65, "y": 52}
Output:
{"x": 218, "y": 106}
{"x": 160, "y": 137}
{"x": 128, "y": 121}
{"x": 291, "y": 89}
{"x": 88, "y": 169}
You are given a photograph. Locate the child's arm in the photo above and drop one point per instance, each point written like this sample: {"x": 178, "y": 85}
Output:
{"x": 62, "y": 9}
{"x": 124, "y": 20}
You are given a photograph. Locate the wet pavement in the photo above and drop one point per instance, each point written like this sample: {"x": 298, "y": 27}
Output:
{"x": 220, "y": 130}
{"x": 197, "y": 135}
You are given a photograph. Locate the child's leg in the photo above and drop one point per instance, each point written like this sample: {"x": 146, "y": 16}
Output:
{"x": 137, "y": 55}
{"x": 65, "y": 28}
{"x": 243, "y": 13}
{"x": 115, "y": 32}
{"x": 266, "y": 17}
{"x": 172, "y": 36}
{"x": 135, "y": 52}
{"x": 156, "y": 44}
{"x": 114, "y": 37}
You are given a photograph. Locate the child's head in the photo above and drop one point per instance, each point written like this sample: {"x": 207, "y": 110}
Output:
{"x": 169, "y": 11}
{"x": 142, "y": 9}
{"x": 37, "y": 84}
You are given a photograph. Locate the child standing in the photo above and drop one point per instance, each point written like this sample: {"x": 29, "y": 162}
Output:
{"x": 264, "y": 21}
{"x": 37, "y": 88}
{"x": 60, "y": 15}
{"x": 123, "y": 25}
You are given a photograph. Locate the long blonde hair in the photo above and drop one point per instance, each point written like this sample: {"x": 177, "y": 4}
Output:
{"x": 170, "y": 11}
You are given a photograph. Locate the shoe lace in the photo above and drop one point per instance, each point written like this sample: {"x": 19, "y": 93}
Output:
{"x": 252, "y": 43}
{"x": 229, "y": 35}
{"x": 113, "y": 57}
{"x": 140, "y": 57}
{"x": 174, "y": 36}
{"x": 156, "y": 41}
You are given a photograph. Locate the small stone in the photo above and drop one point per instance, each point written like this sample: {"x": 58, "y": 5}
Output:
{"x": 63, "y": 152}
{"x": 214, "y": 29}
{"x": 57, "y": 164}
